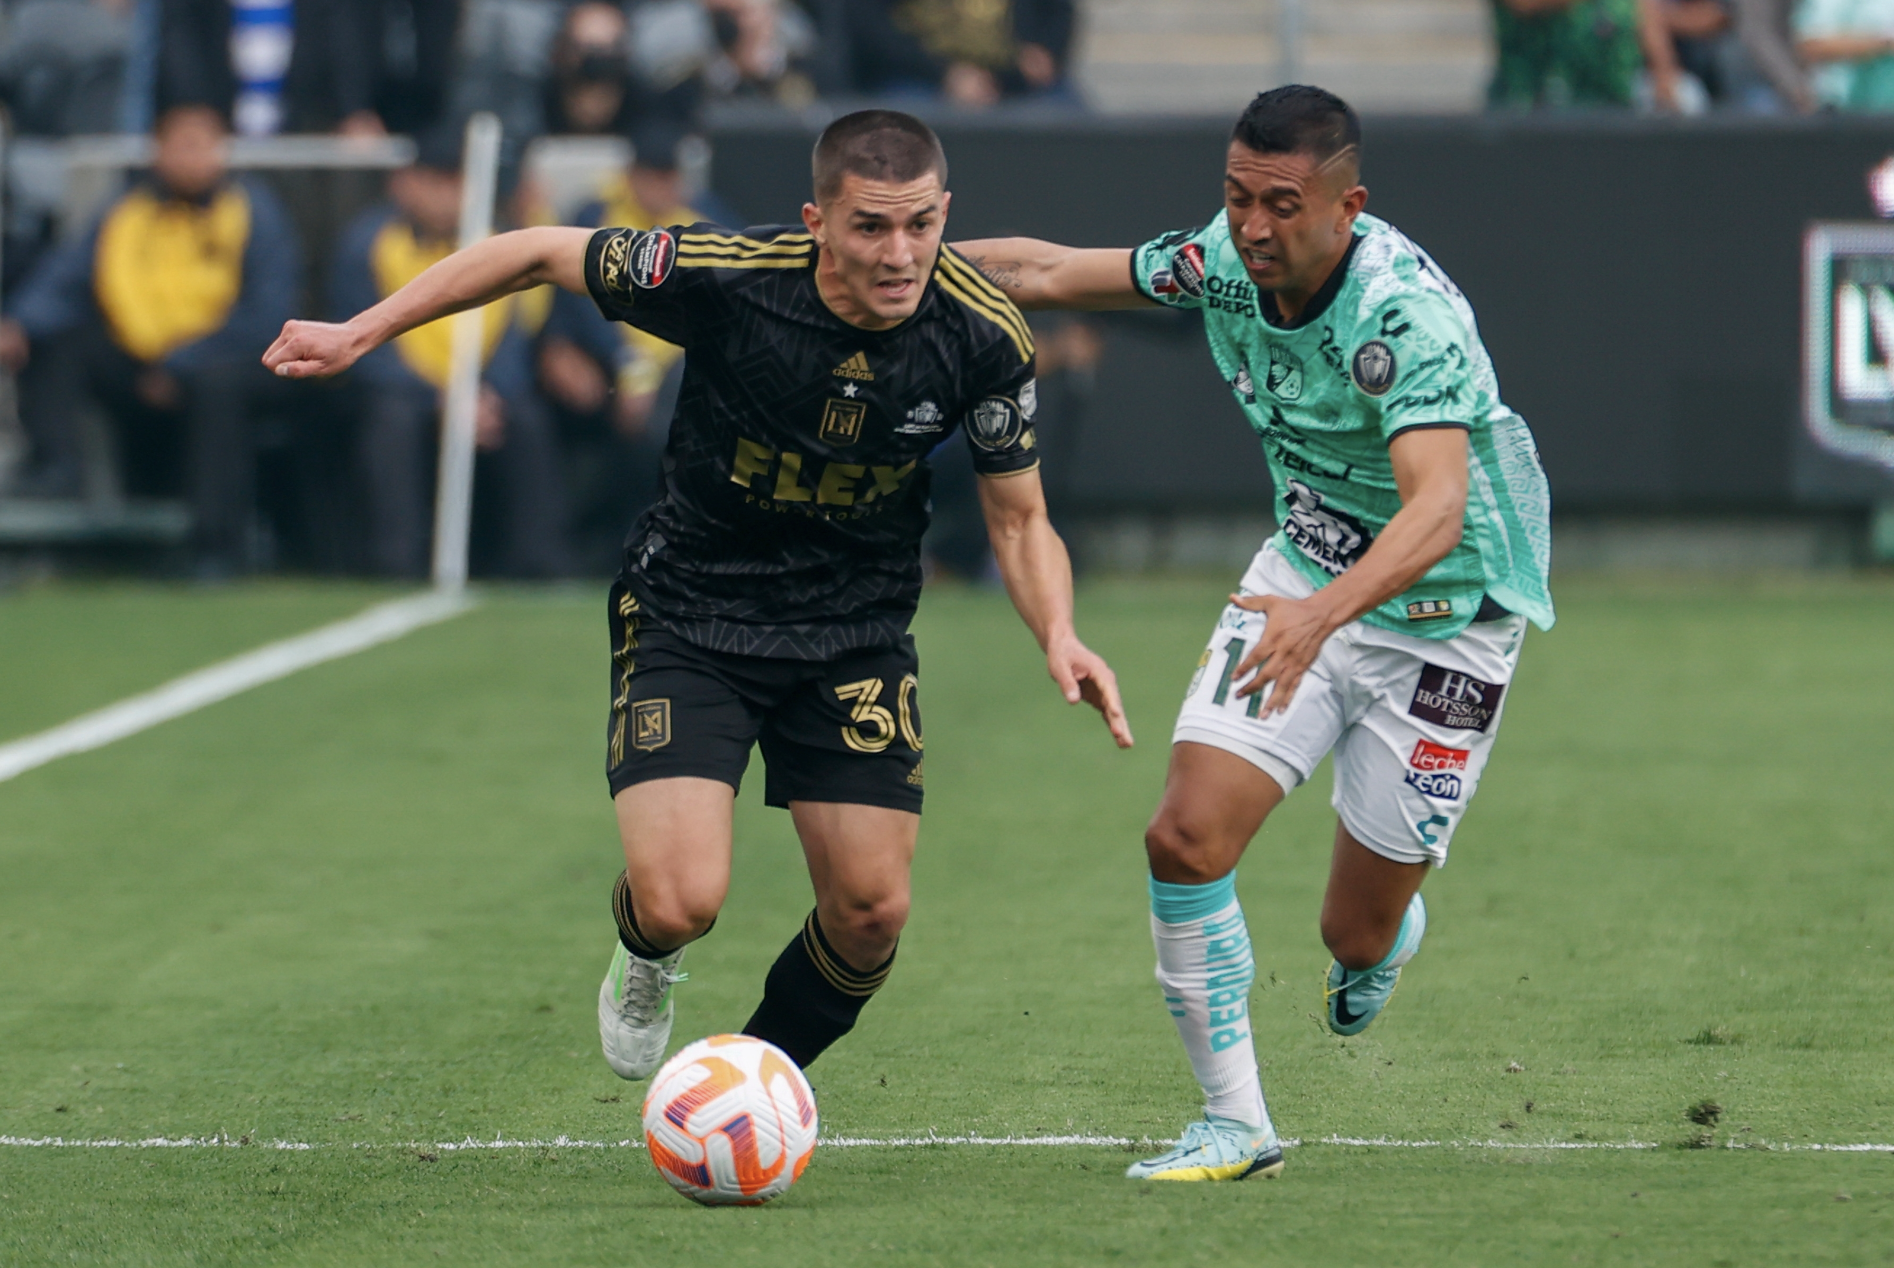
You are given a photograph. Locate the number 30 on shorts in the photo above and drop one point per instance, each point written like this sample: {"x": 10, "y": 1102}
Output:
{"x": 874, "y": 727}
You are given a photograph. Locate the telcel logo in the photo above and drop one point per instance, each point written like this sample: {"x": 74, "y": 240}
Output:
{"x": 1429, "y": 756}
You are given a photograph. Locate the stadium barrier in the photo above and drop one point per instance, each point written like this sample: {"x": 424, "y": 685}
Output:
{"x": 1638, "y": 282}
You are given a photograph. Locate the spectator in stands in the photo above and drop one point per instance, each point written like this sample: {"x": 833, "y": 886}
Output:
{"x": 62, "y": 65}
{"x": 589, "y": 88}
{"x": 401, "y": 385}
{"x": 273, "y": 65}
{"x": 1850, "y": 46}
{"x": 705, "y": 49}
{"x": 412, "y": 42}
{"x": 1734, "y": 55}
{"x": 1562, "y": 53}
{"x": 610, "y": 382}
{"x": 161, "y": 313}
{"x": 970, "y": 54}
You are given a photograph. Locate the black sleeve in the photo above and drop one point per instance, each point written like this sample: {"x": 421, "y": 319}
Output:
{"x": 999, "y": 426}
{"x": 633, "y": 277}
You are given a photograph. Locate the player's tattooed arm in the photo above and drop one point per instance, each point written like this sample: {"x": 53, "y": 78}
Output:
{"x": 1038, "y": 274}
{"x": 482, "y": 273}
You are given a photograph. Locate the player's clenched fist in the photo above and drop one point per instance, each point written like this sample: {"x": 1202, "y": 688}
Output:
{"x": 312, "y": 349}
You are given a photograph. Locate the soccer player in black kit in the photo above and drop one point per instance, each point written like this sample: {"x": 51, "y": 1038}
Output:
{"x": 766, "y": 597}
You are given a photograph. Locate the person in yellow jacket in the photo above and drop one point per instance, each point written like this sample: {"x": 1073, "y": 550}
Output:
{"x": 159, "y": 313}
{"x": 400, "y": 388}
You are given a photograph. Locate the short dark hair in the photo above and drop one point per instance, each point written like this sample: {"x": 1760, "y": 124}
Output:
{"x": 1299, "y": 119}
{"x": 881, "y": 145}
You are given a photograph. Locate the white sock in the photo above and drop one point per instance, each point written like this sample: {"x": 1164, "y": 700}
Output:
{"x": 1206, "y": 968}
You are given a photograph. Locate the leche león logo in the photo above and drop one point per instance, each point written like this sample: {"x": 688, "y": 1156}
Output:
{"x": 1848, "y": 339}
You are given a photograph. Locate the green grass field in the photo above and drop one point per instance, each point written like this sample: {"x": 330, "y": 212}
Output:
{"x": 365, "y": 908}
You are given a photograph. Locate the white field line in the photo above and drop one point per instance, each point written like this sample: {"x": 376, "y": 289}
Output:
{"x": 380, "y": 624}
{"x": 224, "y": 1141}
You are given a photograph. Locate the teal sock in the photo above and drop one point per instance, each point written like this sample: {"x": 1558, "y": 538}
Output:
{"x": 1407, "y": 940}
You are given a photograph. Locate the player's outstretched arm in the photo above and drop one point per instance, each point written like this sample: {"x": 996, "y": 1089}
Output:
{"x": 1038, "y": 274}
{"x": 1430, "y": 470}
{"x": 1038, "y": 575}
{"x": 484, "y": 272}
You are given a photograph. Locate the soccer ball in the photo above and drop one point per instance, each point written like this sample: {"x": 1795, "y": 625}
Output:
{"x": 730, "y": 1121}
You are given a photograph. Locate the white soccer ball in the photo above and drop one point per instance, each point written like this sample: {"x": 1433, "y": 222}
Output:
{"x": 730, "y": 1121}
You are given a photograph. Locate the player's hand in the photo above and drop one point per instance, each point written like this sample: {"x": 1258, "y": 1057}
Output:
{"x": 313, "y": 350}
{"x": 1082, "y": 674}
{"x": 1293, "y": 633}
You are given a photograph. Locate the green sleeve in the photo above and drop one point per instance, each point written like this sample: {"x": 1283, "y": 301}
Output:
{"x": 1171, "y": 269}
{"x": 1417, "y": 365}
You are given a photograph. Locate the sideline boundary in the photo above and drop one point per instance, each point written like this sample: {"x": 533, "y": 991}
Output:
{"x": 470, "y": 1145}
{"x": 382, "y": 623}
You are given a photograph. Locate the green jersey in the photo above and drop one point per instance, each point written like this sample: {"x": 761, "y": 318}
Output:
{"x": 1388, "y": 345}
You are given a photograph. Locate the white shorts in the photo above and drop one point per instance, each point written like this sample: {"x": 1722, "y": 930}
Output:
{"x": 1409, "y": 720}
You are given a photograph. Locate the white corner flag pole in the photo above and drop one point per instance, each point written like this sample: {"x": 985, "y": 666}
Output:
{"x": 453, "y": 497}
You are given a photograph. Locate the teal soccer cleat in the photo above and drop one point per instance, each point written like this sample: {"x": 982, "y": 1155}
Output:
{"x": 1215, "y": 1149}
{"x": 1356, "y": 997}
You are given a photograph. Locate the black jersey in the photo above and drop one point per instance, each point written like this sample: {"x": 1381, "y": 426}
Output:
{"x": 795, "y": 477}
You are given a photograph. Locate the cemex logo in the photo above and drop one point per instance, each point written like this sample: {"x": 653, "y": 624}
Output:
{"x": 1455, "y": 700}
{"x": 1429, "y": 756}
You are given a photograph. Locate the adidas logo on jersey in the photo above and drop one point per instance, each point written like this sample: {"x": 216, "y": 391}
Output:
{"x": 856, "y": 367}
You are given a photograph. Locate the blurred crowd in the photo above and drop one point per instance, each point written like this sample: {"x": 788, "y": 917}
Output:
{"x": 144, "y": 325}
{"x": 1694, "y": 56}
{"x": 135, "y": 330}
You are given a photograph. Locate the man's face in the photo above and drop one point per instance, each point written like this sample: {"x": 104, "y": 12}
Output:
{"x": 429, "y": 198}
{"x": 193, "y": 151}
{"x": 882, "y": 239}
{"x": 1290, "y": 215}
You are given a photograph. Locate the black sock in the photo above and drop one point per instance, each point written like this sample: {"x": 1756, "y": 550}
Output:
{"x": 812, "y": 996}
{"x": 628, "y": 931}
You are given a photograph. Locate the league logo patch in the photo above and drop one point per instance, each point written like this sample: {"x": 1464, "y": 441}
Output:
{"x": 1162, "y": 283}
{"x": 1373, "y": 368}
{"x": 650, "y": 724}
{"x": 1029, "y": 398}
{"x": 842, "y": 421}
{"x": 1187, "y": 270}
{"x": 651, "y": 258}
{"x": 1285, "y": 373}
{"x": 1430, "y": 756}
{"x": 995, "y": 424}
{"x": 1440, "y": 787}
{"x": 1460, "y": 702}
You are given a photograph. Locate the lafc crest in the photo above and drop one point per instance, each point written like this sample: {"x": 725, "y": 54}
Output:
{"x": 842, "y": 421}
{"x": 650, "y": 724}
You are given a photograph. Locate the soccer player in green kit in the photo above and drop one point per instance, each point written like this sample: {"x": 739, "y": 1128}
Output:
{"x": 1381, "y": 624}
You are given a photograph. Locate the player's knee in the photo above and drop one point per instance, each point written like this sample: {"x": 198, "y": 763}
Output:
{"x": 873, "y": 921}
{"x": 675, "y": 920}
{"x": 1182, "y": 851}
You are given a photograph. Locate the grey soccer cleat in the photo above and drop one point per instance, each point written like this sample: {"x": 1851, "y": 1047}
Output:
{"x": 635, "y": 1011}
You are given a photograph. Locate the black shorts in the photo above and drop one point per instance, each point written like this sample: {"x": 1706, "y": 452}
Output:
{"x": 843, "y": 730}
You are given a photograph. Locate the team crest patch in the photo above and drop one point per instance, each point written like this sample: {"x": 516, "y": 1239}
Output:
{"x": 1285, "y": 373}
{"x": 842, "y": 421}
{"x": 1373, "y": 367}
{"x": 652, "y": 255}
{"x": 650, "y": 724}
{"x": 1187, "y": 270}
{"x": 995, "y": 424}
